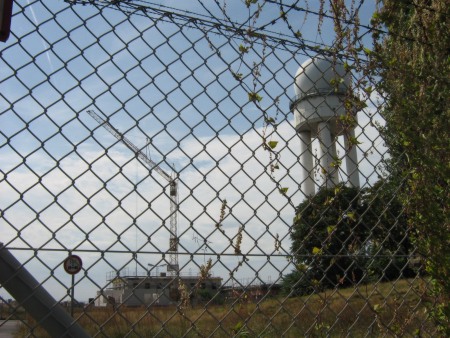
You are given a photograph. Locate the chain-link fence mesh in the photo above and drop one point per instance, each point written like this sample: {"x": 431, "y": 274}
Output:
{"x": 203, "y": 164}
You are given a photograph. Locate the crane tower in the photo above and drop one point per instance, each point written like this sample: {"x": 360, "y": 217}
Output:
{"x": 173, "y": 266}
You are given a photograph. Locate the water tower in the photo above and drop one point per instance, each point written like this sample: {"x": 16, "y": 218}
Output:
{"x": 321, "y": 86}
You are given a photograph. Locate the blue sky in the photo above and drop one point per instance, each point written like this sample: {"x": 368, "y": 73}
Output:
{"x": 81, "y": 188}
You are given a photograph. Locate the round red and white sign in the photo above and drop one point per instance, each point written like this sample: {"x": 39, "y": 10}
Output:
{"x": 73, "y": 264}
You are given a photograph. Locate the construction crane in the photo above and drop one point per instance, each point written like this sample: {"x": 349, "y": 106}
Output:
{"x": 173, "y": 266}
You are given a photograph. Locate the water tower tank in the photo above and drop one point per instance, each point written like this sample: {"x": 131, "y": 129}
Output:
{"x": 321, "y": 85}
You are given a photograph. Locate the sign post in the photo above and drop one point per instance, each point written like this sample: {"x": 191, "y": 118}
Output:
{"x": 72, "y": 265}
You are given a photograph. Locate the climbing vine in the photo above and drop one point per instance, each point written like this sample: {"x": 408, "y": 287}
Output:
{"x": 414, "y": 68}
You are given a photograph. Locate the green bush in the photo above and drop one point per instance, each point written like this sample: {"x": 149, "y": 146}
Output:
{"x": 344, "y": 236}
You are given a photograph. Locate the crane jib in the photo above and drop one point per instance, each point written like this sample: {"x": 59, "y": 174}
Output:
{"x": 173, "y": 240}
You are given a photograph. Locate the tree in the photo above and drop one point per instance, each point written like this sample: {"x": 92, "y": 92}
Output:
{"x": 345, "y": 235}
{"x": 389, "y": 242}
{"x": 327, "y": 236}
{"x": 413, "y": 66}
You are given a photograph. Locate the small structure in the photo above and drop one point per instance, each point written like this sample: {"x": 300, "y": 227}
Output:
{"x": 251, "y": 292}
{"x": 321, "y": 88}
{"x": 159, "y": 290}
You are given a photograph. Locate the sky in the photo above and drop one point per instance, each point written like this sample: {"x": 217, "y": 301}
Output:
{"x": 67, "y": 185}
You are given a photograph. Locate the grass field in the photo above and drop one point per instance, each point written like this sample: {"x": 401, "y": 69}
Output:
{"x": 374, "y": 310}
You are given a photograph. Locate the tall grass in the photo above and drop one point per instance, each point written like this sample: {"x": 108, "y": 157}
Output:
{"x": 384, "y": 309}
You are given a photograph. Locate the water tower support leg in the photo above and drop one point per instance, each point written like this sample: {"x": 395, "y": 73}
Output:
{"x": 351, "y": 160}
{"x": 306, "y": 162}
{"x": 327, "y": 155}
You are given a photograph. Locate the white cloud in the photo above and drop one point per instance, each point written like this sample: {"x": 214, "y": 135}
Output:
{"x": 97, "y": 211}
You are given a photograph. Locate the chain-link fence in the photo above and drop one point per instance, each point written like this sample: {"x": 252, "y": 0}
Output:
{"x": 213, "y": 169}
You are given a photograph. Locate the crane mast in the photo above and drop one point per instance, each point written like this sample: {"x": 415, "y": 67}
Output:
{"x": 173, "y": 266}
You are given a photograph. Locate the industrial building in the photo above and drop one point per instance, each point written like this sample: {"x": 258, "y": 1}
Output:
{"x": 159, "y": 290}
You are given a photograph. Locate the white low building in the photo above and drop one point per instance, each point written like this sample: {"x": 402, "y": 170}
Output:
{"x": 154, "y": 290}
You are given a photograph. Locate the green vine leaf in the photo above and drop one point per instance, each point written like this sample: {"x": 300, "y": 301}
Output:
{"x": 254, "y": 97}
{"x": 243, "y": 49}
{"x": 353, "y": 141}
{"x": 237, "y": 76}
{"x": 250, "y": 2}
{"x": 272, "y": 144}
{"x": 351, "y": 215}
{"x": 336, "y": 81}
{"x": 301, "y": 267}
{"x": 367, "y": 51}
{"x": 316, "y": 251}
{"x": 347, "y": 67}
{"x": 269, "y": 120}
{"x": 336, "y": 163}
{"x": 283, "y": 191}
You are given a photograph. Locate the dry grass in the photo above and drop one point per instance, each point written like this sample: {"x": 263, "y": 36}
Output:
{"x": 385, "y": 309}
